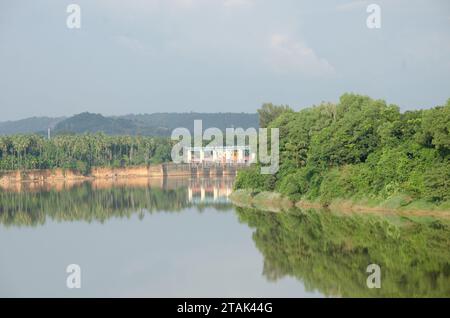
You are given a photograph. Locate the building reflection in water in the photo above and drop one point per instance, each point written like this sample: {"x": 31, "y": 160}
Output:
{"x": 210, "y": 190}
{"x": 205, "y": 188}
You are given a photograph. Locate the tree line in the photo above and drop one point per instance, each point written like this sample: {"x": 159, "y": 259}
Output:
{"x": 359, "y": 148}
{"x": 81, "y": 152}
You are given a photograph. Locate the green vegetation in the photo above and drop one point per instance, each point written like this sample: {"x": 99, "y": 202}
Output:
{"x": 81, "y": 152}
{"x": 269, "y": 112}
{"x": 265, "y": 201}
{"x": 362, "y": 150}
{"x": 158, "y": 124}
{"x": 330, "y": 252}
{"x": 87, "y": 140}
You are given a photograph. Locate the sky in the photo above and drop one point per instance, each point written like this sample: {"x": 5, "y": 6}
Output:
{"x": 146, "y": 56}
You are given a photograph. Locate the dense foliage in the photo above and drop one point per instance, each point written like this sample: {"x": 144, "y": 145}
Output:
{"x": 80, "y": 152}
{"x": 269, "y": 112}
{"x": 360, "y": 149}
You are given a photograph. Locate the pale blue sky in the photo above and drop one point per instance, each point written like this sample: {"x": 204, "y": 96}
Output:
{"x": 139, "y": 56}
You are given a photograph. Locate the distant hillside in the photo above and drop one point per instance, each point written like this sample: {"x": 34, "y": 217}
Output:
{"x": 164, "y": 123}
{"x": 158, "y": 124}
{"x": 28, "y": 125}
{"x": 87, "y": 122}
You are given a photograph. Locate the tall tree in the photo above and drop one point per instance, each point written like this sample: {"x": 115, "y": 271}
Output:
{"x": 269, "y": 112}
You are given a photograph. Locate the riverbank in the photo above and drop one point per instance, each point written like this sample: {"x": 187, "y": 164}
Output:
{"x": 275, "y": 202}
{"x": 151, "y": 171}
{"x": 59, "y": 174}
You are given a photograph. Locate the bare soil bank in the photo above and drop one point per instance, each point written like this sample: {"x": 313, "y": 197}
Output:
{"x": 58, "y": 175}
{"x": 151, "y": 171}
{"x": 275, "y": 202}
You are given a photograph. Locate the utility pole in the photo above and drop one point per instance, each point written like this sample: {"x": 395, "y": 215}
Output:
{"x": 48, "y": 133}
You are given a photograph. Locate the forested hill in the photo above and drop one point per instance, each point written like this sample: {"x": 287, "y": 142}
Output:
{"x": 28, "y": 125}
{"x": 157, "y": 124}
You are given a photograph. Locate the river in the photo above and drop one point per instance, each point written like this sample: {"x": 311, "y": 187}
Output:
{"x": 184, "y": 238}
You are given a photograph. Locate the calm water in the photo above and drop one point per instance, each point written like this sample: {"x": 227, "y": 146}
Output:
{"x": 183, "y": 238}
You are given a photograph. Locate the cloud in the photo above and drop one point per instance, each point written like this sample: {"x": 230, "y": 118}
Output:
{"x": 148, "y": 6}
{"x": 289, "y": 55}
{"x": 129, "y": 43}
{"x": 349, "y": 6}
{"x": 237, "y": 3}
{"x": 119, "y": 6}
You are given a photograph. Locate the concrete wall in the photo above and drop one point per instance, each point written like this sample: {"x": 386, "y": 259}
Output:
{"x": 160, "y": 170}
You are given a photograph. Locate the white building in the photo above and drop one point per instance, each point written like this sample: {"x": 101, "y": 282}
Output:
{"x": 228, "y": 154}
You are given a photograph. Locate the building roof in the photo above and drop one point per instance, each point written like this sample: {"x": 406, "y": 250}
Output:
{"x": 217, "y": 148}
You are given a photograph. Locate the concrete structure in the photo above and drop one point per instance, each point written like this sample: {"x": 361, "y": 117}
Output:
{"x": 204, "y": 169}
{"x": 219, "y": 155}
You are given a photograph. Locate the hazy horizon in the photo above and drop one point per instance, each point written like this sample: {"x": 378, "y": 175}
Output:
{"x": 123, "y": 115}
{"x": 216, "y": 56}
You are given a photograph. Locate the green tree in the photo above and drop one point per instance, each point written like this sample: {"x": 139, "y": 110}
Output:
{"x": 269, "y": 112}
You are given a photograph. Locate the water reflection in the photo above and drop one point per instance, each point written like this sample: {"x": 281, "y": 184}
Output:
{"x": 30, "y": 204}
{"x": 330, "y": 252}
{"x": 210, "y": 190}
{"x": 326, "y": 253}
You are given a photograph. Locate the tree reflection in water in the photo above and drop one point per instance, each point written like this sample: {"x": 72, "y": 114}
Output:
{"x": 30, "y": 205}
{"x": 330, "y": 252}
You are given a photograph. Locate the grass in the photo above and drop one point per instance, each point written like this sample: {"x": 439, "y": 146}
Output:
{"x": 274, "y": 201}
